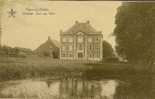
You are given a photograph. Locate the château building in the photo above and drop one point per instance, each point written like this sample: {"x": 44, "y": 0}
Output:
{"x": 81, "y": 42}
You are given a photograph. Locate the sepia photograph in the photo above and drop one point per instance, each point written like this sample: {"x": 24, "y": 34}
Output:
{"x": 77, "y": 49}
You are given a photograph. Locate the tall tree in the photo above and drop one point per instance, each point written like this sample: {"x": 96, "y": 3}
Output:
{"x": 107, "y": 50}
{"x": 135, "y": 32}
{"x": 0, "y": 31}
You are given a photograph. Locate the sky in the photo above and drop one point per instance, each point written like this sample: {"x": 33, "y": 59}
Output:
{"x": 28, "y": 29}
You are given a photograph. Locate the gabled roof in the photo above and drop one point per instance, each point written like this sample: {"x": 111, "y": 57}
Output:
{"x": 81, "y": 27}
{"x": 49, "y": 45}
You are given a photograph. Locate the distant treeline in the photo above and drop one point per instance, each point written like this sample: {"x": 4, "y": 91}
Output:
{"x": 14, "y": 52}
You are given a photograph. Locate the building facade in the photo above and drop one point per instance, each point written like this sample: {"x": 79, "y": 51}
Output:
{"x": 81, "y": 42}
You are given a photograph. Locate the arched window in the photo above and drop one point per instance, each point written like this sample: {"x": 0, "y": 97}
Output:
{"x": 80, "y": 39}
{"x": 80, "y": 47}
{"x": 89, "y": 39}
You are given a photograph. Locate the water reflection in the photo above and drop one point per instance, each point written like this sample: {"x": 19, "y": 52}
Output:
{"x": 32, "y": 89}
{"x": 63, "y": 89}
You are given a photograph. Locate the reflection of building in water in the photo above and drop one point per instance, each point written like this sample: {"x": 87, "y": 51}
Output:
{"x": 64, "y": 89}
{"x": 81, "y": 42}
{"x": 72, "y": 88}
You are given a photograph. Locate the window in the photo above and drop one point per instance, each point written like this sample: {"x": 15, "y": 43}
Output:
{"x": 97, "y": 39}
{"x": 97, "y": 47}
{"x": 64, "y": 40}
{"x": 90, "y": 47}
{"x": 63, "y": 48}
{"x": 67, "y": 48}
{"x": 70, "y": 39}
{"x": 98, "y": 54}
{"x": 80, "y": 47}
{"x": 67, "y": 39}
{"x": 63, "y": 54}
{"x": 89, "y": 40}
{"x": 70, "y": 55}
{"x": 89, "y": 55}
{"x": 80, "y": 39}
{"x": 70, "y": 48}
{"x": 80, "y": 55}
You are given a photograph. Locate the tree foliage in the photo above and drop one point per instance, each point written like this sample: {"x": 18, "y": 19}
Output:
{"x": 14, "y": 52}
{"x": 135, "y": 32}
{"x": 107, "y": 50}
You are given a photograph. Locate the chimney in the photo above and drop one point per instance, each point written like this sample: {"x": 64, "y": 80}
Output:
{"x": 87, "y": 22}
{"x": 76, "y": 22}
{"x": 49, "y": 38}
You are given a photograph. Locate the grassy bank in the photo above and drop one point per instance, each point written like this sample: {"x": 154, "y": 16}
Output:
{"x": 34, "y": 67}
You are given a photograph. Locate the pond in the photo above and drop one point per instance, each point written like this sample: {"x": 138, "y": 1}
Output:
{"x": 76, "y": 88}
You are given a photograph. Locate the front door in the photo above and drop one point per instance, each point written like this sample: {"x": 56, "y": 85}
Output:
{"x": 80, "y": 55}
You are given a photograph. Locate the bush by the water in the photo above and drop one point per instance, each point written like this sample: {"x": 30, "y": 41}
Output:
{"x": 15, "y": 72}
{"x": 33, "y": 67}
{"x": 13, "y": 68}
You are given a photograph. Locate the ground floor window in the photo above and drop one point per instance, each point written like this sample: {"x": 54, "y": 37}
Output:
{"x": 80, "y": 55}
